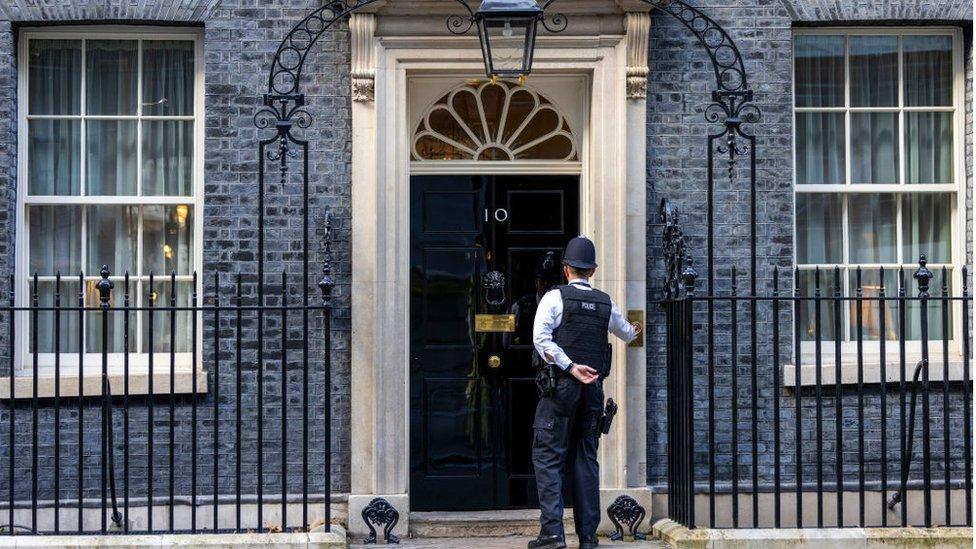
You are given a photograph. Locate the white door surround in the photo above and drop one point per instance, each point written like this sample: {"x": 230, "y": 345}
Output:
{"x": 588, "y": 77}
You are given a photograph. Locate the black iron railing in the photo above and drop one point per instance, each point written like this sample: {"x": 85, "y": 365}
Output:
{"x": 758, "y": 448}
{"x": 155, "y": 458}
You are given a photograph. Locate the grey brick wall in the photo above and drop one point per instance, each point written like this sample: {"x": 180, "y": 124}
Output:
{"x": 679, "y": 85}
{"x": 240, "y": 40}
{"x": 8, "y": 164}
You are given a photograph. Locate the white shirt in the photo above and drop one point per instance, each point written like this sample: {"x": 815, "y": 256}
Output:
{"x": 549, "y": 316}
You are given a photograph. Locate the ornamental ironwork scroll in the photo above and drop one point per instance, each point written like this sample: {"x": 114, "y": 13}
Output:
{"x": 626, "y": 510}
{"x": 284, "y": 110}
{"x": 284, "y": 102}
{"x": 379, "y": 512}
{"x": 674, "y": 250}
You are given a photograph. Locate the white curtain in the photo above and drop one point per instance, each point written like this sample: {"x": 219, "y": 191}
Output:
{"x": 874, "y": 71}
{"x": 819, "y": 218}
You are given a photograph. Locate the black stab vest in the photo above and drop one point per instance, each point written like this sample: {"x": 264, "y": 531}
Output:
{"x": 582, "y": 334}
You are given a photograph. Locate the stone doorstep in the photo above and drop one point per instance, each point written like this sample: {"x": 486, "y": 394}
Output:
{"x": 680, "y": 537}
{"x": 336, "y": 539}
{"x": 501, "y": 523}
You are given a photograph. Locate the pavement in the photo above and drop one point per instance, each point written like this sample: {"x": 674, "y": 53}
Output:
{"x": 512, "y": 542}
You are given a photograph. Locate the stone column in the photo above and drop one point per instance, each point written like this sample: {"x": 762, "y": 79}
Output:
{"x": 376, "y": 470}
{"x": 624, "y": 452}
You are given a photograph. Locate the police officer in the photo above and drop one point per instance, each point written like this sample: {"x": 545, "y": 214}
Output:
{"x": 570, "y": 331}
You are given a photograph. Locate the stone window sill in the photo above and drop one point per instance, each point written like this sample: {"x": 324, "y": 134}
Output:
{"x": 138, "y": 385}
{"x": 872, "y": 371}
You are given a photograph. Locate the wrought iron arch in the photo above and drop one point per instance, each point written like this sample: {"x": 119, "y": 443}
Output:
{"x": 284, "y": 109}
{"x": 284, "y": 103}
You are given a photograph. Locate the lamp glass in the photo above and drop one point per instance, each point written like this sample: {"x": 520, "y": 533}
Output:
{"x": 507, "y": 43}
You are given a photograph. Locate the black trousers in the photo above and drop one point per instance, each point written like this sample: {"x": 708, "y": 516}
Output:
{"x": 566, "y": 437}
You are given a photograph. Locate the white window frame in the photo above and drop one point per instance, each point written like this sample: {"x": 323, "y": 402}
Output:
{"x": 957, "y": 188}
{"x": 138, "y": 361}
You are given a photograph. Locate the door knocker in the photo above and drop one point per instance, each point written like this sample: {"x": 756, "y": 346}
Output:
{"x": 493, "y": 289}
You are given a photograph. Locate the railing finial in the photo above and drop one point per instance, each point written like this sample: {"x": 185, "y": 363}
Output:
{"x": 104, "y": 287}
{"x": 923, "y": 275}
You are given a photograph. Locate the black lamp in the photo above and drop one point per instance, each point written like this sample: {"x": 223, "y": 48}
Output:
{"x": 507, "y": 29}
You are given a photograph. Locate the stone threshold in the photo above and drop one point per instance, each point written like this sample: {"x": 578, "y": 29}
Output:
{"x": 335, "y": 539}
{"x": 481, "y": 524}
{"x": 680, "y": 537}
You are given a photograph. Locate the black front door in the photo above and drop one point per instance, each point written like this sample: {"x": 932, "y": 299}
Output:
{"x": 472, "y": 392}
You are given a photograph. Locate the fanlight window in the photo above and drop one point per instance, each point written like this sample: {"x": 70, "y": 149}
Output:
{"x": 486, "y": 121}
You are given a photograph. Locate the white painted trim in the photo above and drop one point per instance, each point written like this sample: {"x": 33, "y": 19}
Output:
{"x": 141, "y": 34}
{"x": 484, "y": 141}
{"x": 876, "y": 188}
{"x": 613, "y": 187}
{"x": 496, "y": 168}
{"x": 871, "y": 371}
{"x": 960, "y": 237}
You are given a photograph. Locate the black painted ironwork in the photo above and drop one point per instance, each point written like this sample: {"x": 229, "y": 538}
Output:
{"x": 731, "y": 108}
{"x": 625, "y": 511}
{"x": 104, "y": 288}
{"x": 180, "y": 447}
{"x": 931, "y": 471}
{"x": 493, "y": 290}
{"x": 380, "y": 513}
{"x": 284, "y": 103}
{"x": 283, "y": 114}
{"x": 459, "y": 24}
{"x": 674, "y": 249}
{"x": 906, "y": 459}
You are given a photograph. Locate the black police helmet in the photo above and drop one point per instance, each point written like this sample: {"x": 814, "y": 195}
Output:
{"x": 580, "y": 253}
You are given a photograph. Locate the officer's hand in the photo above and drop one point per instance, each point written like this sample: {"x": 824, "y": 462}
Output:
{"x": 584, "y": 373}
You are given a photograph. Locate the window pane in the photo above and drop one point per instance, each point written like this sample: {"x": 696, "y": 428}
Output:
{"x": 167, "y": 244}
{"x": 167, "y": 158}
{"x": 818, "y": 228}
{"x": 111, "y": 167}
{"x": 113, "y": 238}
{"x": 874, "y": 313}
{"x": 67, "y": 320}
{"x": 167, "y": 77}
{"x": 933, "y": 307}
{"x": 873, "y": 228}
{"x": 820, "y": 148}
{"x": 161, "y": 319}
{"x": 928, "y": 71}
{"x": 111, "y": 73}
{"x": 808, "y": 308}
{"x": 874, "y": 71}
{"x": 54, "y": 157}
{"x": 927, "y": 227}
{"x": 929, "y": 147}
{"x": 55, "y": 240}
{"x": 54, "y": 76}
{"x": 874, "y": 148}
{"x": 507, "y": 42}
{"x": 116, "y": 320}
{"x": 819, "y": 71}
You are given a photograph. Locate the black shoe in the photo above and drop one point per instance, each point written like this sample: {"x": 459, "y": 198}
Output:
{"x": 548, "y": 542}
{"x": 589, "y": 543}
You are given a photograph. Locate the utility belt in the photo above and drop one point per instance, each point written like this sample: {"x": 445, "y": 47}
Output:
{"x": 545, "y": 382}
{"x": 546, "y": 374}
